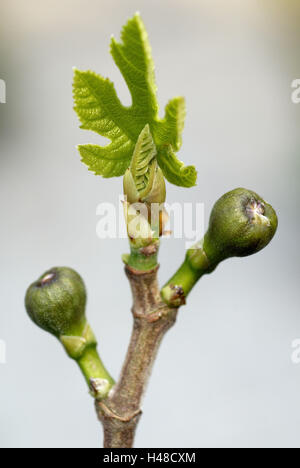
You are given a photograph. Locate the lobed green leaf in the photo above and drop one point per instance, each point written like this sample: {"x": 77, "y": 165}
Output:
{"x": 100, "y": 110}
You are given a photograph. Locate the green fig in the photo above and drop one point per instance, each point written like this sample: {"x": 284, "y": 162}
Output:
{"x": 241, "y": 224}
{"x": 56, "y": 302}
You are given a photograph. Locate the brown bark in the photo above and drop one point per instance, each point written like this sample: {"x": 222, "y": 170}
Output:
{"x": 121, "y": 410}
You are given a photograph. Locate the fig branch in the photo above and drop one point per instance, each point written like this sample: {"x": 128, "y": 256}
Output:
{"x": 143, "y": 149}
{"x": 121, "y": 410}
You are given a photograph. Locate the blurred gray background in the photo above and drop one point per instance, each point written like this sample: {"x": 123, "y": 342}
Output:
{"x": 224, "y": 376}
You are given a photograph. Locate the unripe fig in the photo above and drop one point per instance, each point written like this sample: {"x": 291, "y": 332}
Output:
{"x": 56, "y": 302}
{"x": 241, "y": 223}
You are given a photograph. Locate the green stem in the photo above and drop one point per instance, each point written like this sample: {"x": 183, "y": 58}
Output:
{"x": 94, "y": 371}
{"x": 83, "y": 349}
{"x": 143, "y": 258}
{"x": 195, "y": 265}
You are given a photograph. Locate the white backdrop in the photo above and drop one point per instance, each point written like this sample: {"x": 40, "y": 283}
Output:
{"x": 224, "y": 376}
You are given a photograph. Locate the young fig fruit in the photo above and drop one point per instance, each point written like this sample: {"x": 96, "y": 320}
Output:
{"x": 241, "y": 224}
{"x": 56, "y": 302}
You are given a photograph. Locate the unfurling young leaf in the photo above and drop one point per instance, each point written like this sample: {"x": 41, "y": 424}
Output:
{"x": 100, "y": 110}
{"x": 143, "y": 163}
{"x": 144, "y": 180}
